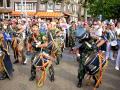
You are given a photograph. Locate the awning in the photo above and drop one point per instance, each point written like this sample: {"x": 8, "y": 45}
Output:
{"x": 49, "y": 14}
{"x": 17, "y": 13}
{"x": 39, "y": 14}
{"x": 68, "y": 14}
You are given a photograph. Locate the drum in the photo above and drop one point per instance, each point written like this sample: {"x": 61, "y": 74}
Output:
{"x": 92, "y": 64}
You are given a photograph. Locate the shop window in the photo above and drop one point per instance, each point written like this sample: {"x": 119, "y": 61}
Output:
{"x": 1, "y": 3}
{"x": 8, "y": 3}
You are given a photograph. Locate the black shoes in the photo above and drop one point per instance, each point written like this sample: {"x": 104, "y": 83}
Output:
{"x": 15, "y": 62}
{"x": 24, "y": 63}
{"x": 31, "y": 78}
{"x": 52, "y": 78}
{"x": 3, "y": 77}
{"x": 79, "y": 85}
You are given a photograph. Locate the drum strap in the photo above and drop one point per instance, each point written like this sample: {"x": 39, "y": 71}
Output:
{"x": 1, "y": 63}
{"x": 4, "y": 46}
{"x": 100, "y": 77}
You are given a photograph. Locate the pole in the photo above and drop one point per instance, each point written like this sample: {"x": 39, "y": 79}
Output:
{"x": 85, "y": 10}
{"x": 22, "y": 7}
{"x": 25, "y": 9}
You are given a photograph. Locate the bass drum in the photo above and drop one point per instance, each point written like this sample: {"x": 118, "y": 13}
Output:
{"x": 92, "y": 64}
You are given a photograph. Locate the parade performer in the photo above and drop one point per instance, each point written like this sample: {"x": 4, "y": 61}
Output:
{"x": 6, "y": 68}
{"x": 71, "y": 37}
{"x": 54, "y": 34}
{"x": 18, "y": 44}
{"x": 86, "y": 47}
{"x": 7, "y": 35}
{"x": 39, "y": 43}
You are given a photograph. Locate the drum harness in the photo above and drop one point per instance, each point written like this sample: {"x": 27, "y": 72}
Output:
{"x": 101, "y": 70}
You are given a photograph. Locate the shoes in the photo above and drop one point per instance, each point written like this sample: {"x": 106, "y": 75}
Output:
{"x": 16, "y": 62}
{"x": 2, "y": 78}
{"x": 79, "y": 85}
{"x": 24, "y": 63}
{"x": 117, "y": 68}
{"x": 31, "y": 78}
{"x": 52, "y": 78}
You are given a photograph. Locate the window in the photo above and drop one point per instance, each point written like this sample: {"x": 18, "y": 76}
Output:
{"x": 1, "y": 3}
{"x": 19, "y": 6}
{"x": 65, "y": 7}
{"x": 34, "y": 6}
{"x": 29, "y": 6}
{"x": 50, "y": 6}
{"x": 42, "y": 7}
{"x": 8, "y": 3}
{"x": 58, "y": 7}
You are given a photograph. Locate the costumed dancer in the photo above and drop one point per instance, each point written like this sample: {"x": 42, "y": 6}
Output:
{"x": 6, "y": 68}
{"x": 85, "y": 48}
{"x": 39, "y": 43}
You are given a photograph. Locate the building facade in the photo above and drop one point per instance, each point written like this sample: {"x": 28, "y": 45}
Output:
{"x": 36, "y": 8}
{"x": 5, "y": 8}
{"x": 48, "y": 9}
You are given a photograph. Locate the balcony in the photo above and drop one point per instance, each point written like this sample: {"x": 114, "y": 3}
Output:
{"x": 5, "y": 10}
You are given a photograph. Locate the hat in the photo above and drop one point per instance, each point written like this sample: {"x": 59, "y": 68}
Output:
{"x": 111, "y": 23}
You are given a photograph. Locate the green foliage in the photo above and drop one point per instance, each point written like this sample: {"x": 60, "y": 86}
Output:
{"x": 108, "y": 8}
{"x": 44, "y": 1}
{"x": 57, "y": 1}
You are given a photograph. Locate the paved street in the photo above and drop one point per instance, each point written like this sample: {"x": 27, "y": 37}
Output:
{"x": 65, "y": 77}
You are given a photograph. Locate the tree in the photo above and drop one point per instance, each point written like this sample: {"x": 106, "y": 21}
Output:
{"x": 85, "y": 4}
{"x": 108, "y": 8}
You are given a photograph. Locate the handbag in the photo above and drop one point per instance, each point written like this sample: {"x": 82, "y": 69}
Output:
{"x": 114, "y": 45}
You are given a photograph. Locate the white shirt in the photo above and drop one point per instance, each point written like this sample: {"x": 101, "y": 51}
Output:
{"x": 98, "y": 32}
